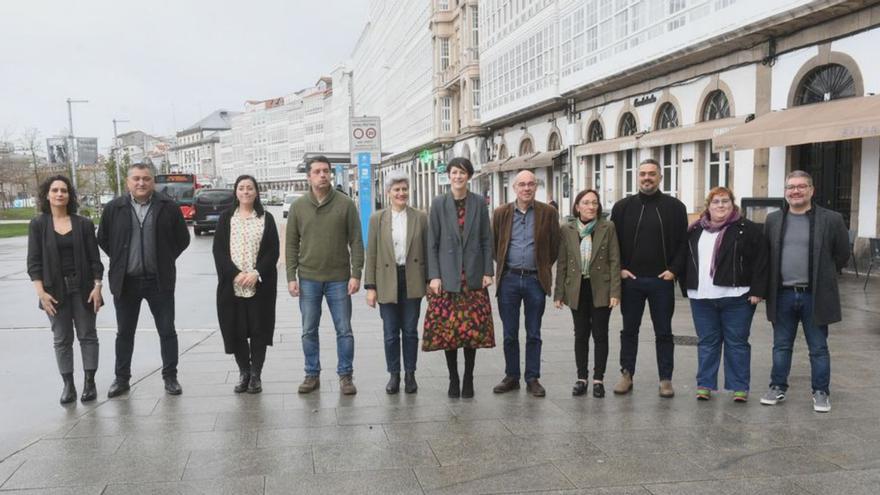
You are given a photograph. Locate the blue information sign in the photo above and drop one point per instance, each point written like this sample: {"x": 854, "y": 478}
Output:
{"x": 342, "y": 178}
{"x": 365, "y": 192}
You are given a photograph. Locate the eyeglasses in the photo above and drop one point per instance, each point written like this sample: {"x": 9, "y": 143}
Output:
{"x": 799, "y": 187}
{"x": 720, "y": 201}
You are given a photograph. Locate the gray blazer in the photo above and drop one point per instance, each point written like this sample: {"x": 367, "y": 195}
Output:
{"x": 449, "y": 252}
{"x": 828, "y": 254}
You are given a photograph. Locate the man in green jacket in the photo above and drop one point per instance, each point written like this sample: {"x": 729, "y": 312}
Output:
{"x": 325, "y": 257}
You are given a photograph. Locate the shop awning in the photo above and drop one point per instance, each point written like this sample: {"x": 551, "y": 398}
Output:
{"x": 493, "y": 166}
{"x": 544, "y": 159}
{"x": 703, "y": 131}
{"x": 837, "y": 120}
{"x": 516, "y": 163}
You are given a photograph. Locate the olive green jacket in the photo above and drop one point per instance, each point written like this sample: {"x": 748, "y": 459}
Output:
{"x": 604, "y": 265}
{"x": 381, "y": 269}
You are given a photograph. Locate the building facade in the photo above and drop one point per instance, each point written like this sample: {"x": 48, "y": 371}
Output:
{"x": 197, "y": 147}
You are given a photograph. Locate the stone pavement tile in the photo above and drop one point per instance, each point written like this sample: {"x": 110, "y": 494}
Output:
{"x": 612, "y": 490}
{"x": 649, "y": 441}
{"x": 840, "y": 483}
{"x": 97, "y": 470}
{"x": 239, "y": 486}
{"x": 7, "y": 467}
{"x": 500, "y": 449}
{"x": 753, "y": 486}
{"x": 317, "y": 435}
{"x": 325, "y": 399}
{"x": 184, "y": 442}
{"x": 67, "y": 490}
{"x": 737, "y": 436}
{"x": 214, "y": 464}
{"x": 852, "y": 455}
{"x": 271, "y": 419}
{"x": 798, "y": 407}
{"x": 54, "y": 448}
{"x": 548, "y": 425}
{"x": 506, "y": 408}
{"x": 758, "y": 463}
{"x": 381, "y": 415}
{"x": 124, "y": 406}
{"x": 866, "y": 429}
{"x": 372, "y": 456}
{"x": 441, "y": 429}
{"x": 491, "y": 478}
{"x": 388, "y": 482}
{"x": 597, "y": 471}
{"x": 91, "y": 426}
{"x": 203, "y": 405}
{"x": 200, "y": 390}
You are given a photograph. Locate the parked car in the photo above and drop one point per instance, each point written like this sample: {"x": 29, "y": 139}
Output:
{"x": 207, "y": 206}
{"x": 288, "y": 202}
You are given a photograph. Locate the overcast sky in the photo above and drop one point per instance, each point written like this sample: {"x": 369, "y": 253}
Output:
{"x": 161, "y": 64}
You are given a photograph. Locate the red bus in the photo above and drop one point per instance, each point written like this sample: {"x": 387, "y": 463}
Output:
{"x": 181, "y": 188}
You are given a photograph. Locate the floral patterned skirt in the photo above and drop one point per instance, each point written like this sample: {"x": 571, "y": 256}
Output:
{"x": 458, "y": 319}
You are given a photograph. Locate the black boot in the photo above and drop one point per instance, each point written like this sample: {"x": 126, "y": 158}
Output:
{"x": 68, "y": 393}
{"x": 393, "y": 384}
{"x": 90, "y": 392}
{"x": 409, "y": 382}
{"x": 244, "y": 380}
{"x": 467, "y": 386}
{"x": 454, "y": 391}
{"x": 256, "y": 384}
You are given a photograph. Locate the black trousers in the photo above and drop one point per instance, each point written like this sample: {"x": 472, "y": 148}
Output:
{"x": 590, "y": 320}
{"x": 128, "y": 308}
{"x": 249, "y": 349}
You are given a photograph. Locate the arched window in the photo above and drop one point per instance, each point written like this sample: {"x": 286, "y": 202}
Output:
{"x": 555, "y": 143}
{"x": 525, "y": 147}
{"x": 628, "y": 125}
{"x": 667, "y": 117}
{"x": 595, "y": 132}
{"x": 716, "y": 106}
{"x": 828, "y": 82}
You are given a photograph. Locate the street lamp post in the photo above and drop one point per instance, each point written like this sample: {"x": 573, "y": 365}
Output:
{"x": 71, "y": 153}
{"x": 116, "y": 157}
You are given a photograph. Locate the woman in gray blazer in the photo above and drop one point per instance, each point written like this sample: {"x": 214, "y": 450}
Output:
{"x": 460, "y": 269}
{"x": 395, "y": 277}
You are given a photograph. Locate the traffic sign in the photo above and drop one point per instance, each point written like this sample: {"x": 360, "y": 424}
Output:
{"x": 365, "y": 137}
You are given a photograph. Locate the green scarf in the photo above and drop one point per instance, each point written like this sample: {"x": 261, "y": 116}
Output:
{"x": 586, "y": 234}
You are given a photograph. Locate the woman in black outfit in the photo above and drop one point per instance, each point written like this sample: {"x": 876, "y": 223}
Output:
{"x": 246, "y": 254}
{"x": 65, "y": 267}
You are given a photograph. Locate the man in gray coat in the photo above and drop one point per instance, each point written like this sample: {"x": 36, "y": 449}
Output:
{"x": 808, "y": 246}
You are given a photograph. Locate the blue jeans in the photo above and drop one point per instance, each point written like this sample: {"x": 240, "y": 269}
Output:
{"x": 399, "y": 318}
{"x": 793, "y": 307}
{"x": 513, "y": 291}
{"x": 311, "y": 293}
{"x": 727, "y": 322}
{"x": 660, "y": 296}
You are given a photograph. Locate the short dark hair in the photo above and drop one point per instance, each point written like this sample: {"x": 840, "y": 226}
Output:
{"x": 651, "y": 161}
{"x": 148, "y": 166}
{"x": 462, "y": 164}
{"x": 43, "y": 195}
{"x": 316, "y": 159}
{"x": 577, "y": 199}
{"x": 258, "y": 205}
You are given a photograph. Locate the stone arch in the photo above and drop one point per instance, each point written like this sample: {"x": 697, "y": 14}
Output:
{"x": 825, "y": 57}
{"x": 715, "y": 84}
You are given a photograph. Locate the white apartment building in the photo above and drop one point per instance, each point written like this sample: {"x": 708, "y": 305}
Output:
{"x": 269, "y": 139}
{"x": 140, "y": 146}
{"x": 197, "y": 146}
{"x": 598, "y": 85}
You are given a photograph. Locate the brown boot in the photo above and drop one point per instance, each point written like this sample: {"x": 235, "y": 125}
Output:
{"x": 625, "y": 385}
{"x": 309, "y": 384}
{"x": 346, "y": 385}
{"x": 666, "y": 390}
{"x": 507, "y": 384}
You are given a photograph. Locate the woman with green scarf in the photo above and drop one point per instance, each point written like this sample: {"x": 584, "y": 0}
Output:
{"x": 588, "y": 282}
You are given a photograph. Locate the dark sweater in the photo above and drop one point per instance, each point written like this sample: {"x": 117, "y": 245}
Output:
{"x": 652, "y": 231}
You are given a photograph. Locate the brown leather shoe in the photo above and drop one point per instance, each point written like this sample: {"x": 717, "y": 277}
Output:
{"x": 346, "y": 385}
{"x": 666, "y": 390}
{"x": 535, "y": 388}
{"x": 309, "y": 384}
{"x": 507, "y": 384}
{"x": 625, "y": 385}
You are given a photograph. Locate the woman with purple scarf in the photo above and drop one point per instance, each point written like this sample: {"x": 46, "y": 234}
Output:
{"x": 726, "y": 278}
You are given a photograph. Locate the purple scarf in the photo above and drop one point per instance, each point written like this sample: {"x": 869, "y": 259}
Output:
{"x": 708, "y": 225}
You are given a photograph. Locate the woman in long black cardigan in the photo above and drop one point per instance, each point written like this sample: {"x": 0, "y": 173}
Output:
{"x": 247, "y": 281}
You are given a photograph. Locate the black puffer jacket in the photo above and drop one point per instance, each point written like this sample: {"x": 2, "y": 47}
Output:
{"x": 743, "y": 259}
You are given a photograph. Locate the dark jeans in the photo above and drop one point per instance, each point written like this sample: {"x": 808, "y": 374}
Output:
{"x": 590, "y": 320}
{"x": 128, "y": 308}
{"x": 793, "y": 307}
{"x": 727, "y": 322}
{"x": 660, "y": 296}
{"x": 513, "y": 291}
{"x": 72, "y": 312}
{"x": 401, "y": 318}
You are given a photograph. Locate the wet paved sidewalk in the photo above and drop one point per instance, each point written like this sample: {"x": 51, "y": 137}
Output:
{"x": 210, "y": 440}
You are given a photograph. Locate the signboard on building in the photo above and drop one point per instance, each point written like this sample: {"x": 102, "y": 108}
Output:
{"x": 364, "y": 137}
{"x": 56, "y": 148}
{"x": 86, "y": 151}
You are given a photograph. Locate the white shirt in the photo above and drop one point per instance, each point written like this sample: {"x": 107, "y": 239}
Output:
{"x": 706, "y": 288}
{"x": 398, "y": 235}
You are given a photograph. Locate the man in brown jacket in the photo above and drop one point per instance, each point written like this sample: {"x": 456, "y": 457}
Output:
{"x": 526, "y": 234}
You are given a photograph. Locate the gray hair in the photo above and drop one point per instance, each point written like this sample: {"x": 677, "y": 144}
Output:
{"x": 800, "y": 174}
{"x": 393, "y": 177}
{"x": 149, "y": 167}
